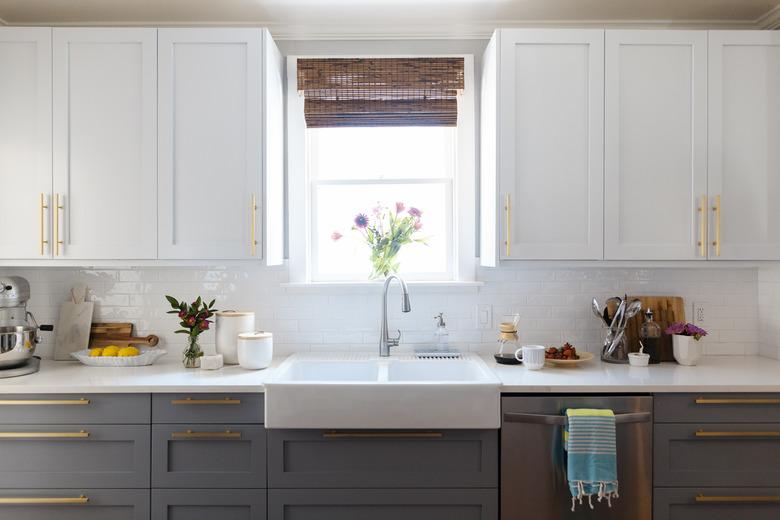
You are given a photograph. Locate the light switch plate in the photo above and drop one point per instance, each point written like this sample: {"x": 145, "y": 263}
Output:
{"x": 484, "y": 316}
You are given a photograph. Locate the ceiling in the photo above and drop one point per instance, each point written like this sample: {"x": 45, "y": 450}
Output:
{"x": 392, "y": 18}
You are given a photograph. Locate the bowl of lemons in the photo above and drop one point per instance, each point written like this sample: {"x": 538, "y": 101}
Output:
{"x": 116, "y": 356}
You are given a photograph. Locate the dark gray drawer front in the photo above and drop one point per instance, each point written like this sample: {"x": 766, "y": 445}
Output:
{"x": 208, "y": 408}
{"x": 197, "y": 504}
{"x": 716, "y": 454}
{"x": 320, "y": 459}
{"x": 75, "y": 409}
{"x": 66, "y": 456}
{"x": 431, "y": 504}
{"x": 691, "y": 408}
{"x": 208, "y": 456}
{"x": 103, "y": 504}
{"x": 716, "y": 504}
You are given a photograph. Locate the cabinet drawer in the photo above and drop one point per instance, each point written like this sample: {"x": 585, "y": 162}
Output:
{"x": 407, "y": 504}
{"x": 691, "y": 408}
{"x": 386, "y": 459}
{"x": 75, "y": 409}
{"x": 198, "y": 504}
{"x": 716, "y": 503}
{"x": 208, "y": 456}
{"x": 74, "y": 504}
{"x": 66, "y": 456}
{"x": 207, "y": 408}
{"x": 717, "y": 454}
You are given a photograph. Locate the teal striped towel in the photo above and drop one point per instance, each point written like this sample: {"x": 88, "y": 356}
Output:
{"x": 589, "y": 440}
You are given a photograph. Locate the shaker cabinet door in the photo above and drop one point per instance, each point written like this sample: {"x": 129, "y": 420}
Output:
{"x": 105, "y": 143}
{"x": 655, "y": 145}
{"x": 210, "y": 142}
{"x": 25, "y": 142}
{"x": 744, "y": 151}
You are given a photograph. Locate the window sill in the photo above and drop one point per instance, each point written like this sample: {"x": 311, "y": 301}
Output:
{"x": 377, "y": 285}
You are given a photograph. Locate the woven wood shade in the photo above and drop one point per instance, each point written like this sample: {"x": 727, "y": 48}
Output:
{"x": 380, "y": 91}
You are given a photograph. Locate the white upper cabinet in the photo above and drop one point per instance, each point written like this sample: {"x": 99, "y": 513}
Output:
{"x": 25, "y": 142}
{"x": 655, "y": 145}
{"x": 105, "y": 143}
{"x": 211, "y": 143}
{"x": 744, "y": 145}
{"x": 548, "y": 143}
{"x": 273, "y": 152}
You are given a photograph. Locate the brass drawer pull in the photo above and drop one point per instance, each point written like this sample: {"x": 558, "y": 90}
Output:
{"x": 43, "y": 207}
{"x": 703, "y": 226}
{"x": 736, "y": 499}
{"x": 508, "y": 213}
{"x": 716, "y": 209}
{"x": 253, "y": 225}
{"x": 189, "y": 434}
{"x": 702, "y": 433}
{"x": 190, "y": 400}
{"x": 45, "y": 435}
{"x": 43, "y": 402}
{"x": 382, "y": 435}
{"x": 748, "y": 400}
{"x": 24, "y": 501}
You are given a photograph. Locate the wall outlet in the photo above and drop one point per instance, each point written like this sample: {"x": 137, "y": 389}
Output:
{"x": 484, "y": 316}
{"x": 699, "y": 313}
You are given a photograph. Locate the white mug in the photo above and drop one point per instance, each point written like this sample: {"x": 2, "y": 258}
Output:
{"x": 533, "y": 356}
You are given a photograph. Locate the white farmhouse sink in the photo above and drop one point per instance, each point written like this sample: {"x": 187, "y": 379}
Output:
{"x": 337, "y": 391}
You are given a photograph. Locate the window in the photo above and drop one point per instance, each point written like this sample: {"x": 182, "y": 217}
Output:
{"x": 421, "y": 177}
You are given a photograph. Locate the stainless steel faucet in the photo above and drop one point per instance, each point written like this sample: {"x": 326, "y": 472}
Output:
{"x": 385, "y": 341}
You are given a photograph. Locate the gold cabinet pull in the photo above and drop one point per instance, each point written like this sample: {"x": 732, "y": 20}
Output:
{"x": 44, "y": 402}
{"x": 43, "y": 208}
{"x": 190, "y": 400}
{"x": 45, "y": 435}
{"x": 57, "y": 208}
{"x": 716, "y": 209}
{"x": 701, "y": 499}
{"x": 747, "y": 400}
{"x": 25, "y": 501}
{"x": 189, "y": 434}
{"x": 702, "y": 243}
{"x": 382, "y": 435}
{"x": 508, "y": 214}
{"x": 253, "y": 240}
{"x": 735, "y": 434}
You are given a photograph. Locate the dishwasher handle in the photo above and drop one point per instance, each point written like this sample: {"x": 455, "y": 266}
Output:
{"x": 560, "y": 420}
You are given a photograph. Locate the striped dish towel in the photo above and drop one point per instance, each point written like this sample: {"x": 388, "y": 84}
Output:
{"x": 589, "y": 440}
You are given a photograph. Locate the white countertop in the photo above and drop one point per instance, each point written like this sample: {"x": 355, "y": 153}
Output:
{"x": 713, "y": 374}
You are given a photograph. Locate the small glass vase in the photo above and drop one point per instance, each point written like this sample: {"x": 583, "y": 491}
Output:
{"x": 192, "y": 354}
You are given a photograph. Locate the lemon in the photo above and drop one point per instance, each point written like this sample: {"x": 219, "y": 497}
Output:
{"x": 96, "y": 352}
{"x": 110, "y": 351}
{"x": 128, "y": 352}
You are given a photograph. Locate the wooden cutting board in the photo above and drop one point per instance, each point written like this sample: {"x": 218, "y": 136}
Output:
{"x": 119, "y": 334}
{"x": 666, "y": 310}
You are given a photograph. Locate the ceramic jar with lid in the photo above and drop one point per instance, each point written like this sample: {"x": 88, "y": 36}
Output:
{"x": 229, "y": 325}
{"x": 255, "y": 349}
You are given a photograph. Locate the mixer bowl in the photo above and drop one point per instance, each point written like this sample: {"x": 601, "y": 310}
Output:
{"x": 17, "y": 345}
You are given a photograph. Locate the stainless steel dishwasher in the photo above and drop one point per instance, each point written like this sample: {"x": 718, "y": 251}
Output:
{"x": 533, "y": 469}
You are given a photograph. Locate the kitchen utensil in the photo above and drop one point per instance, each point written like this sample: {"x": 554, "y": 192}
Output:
{"x": 114, "y": 330}
{"x": 598, "y": 311}
{"x": 19, "y": 332}
{"x": 103, "y": 341}
{"x": 229, "y": 325}
{"x": 146, "y": 357}
{"x": 507, "y": 358}
{"x": 532, "y": 356}
{"x": 566, "y": 363}
{"x": 255, "y": 349}
{"x": 73, "y": 326}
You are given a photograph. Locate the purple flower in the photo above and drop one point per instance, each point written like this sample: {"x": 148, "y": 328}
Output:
{"x": 416, "y": 213}
{"x": 361, "y": 220}
{"x": 336, "y": 236}
{"x": 686, "y": 329}
{"x": 399, "y": 207}
{"x": 417, "y": 225}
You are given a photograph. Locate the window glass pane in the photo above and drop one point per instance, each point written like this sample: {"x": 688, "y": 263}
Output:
{"x": 382, "y": 153}
{"x": 348, "y": 258}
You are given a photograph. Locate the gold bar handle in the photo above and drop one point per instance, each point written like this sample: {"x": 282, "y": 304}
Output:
{"x": 736, "y": 499}
{"x": 716, "y": 209}
{"x": 382, "y": 435}
{"x": 189, "y": 434}
{"x": 508, "y": 213}
{"x": 735, "y": 434}
{"x": 706, "y": 400}
{"x": 45, "y": 435}
{"x": 57, "y": 208}
{"x": 43, "y": 402}
{"x": 44, "y": 207}
{"x": 190, "y": 400}
{"x": 702, "y": 243}
{"x": 25, "y": 501}
{"x": 253, "y": 241}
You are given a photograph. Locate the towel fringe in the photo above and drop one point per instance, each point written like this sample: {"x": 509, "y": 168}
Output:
{"x": 600, "y": 495}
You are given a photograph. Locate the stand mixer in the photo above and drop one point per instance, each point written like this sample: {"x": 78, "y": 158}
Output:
{"x": 19, "y": 332}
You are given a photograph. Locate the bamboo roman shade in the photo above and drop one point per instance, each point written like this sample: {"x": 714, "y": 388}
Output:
{"x": 380, "y": 91}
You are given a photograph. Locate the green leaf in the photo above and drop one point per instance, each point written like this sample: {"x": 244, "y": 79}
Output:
{"x": 181, "y": 332}
{"x": 172, "y": 312}
{"x": 172, "y": 301}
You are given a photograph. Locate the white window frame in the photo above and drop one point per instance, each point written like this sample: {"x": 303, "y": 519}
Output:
{"x": 462, "y": 197}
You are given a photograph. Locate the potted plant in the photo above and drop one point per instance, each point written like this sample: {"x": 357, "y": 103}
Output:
{"x": 194, "y": 320}
{"x": 686, "y": 352}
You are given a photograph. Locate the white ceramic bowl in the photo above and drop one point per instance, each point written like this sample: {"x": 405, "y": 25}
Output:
{"x": 636, "y": 359}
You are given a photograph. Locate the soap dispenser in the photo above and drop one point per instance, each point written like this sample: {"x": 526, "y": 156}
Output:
{"x": 441, "y": 333}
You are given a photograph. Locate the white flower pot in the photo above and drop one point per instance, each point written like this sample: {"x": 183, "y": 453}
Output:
{"x": 687, "y": 350}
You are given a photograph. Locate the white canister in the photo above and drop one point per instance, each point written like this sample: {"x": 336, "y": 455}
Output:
{"x": 687, "y": 351}
{"x": 255, "y": 349}
{"x": 229, "y": 325}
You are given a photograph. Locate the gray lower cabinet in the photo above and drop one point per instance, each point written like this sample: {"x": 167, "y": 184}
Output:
{"x": 716, "y": 503}
{"x": 208, "y": 408}
{"x": 74, "y": 504}
{"x": 75, "y": 409}
{"x": 208, "y": 456}
{"x": 382, "y": 459}
{"x": 407, "y": 504}
{"x": 67, "y": 456}
{"x": 223, "y": 504}
{"x": 718, "y": 408}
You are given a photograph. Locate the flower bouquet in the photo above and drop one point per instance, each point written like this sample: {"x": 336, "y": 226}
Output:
{"x": 194, "y": 320}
